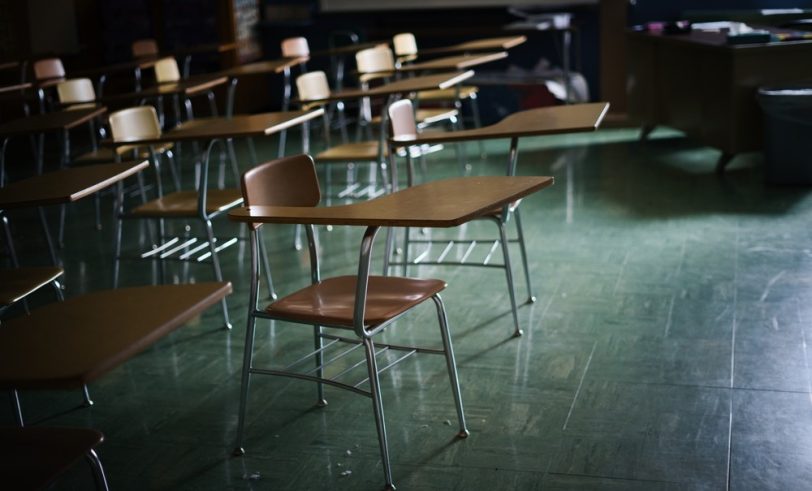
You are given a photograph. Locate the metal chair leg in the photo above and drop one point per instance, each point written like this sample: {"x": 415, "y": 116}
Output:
{"x": 263, "y": 251}
{"x": 247, "y": 364}
{"x": 16, "y": 408}
{"x": 451, "y": 364}
{"x": 319, "y": 359}
{"x": 218, "y": 273}
{"x": 377, "y": 408}
{"x": 98, "y": 470}
{"x": 86, "y": 396}
{"x": 523, "y": 250}
{"x": 509, "y": 276}
{"x": 478, "y": 123}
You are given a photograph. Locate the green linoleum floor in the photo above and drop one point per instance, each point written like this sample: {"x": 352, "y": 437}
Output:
{"x": 667, "y": 348}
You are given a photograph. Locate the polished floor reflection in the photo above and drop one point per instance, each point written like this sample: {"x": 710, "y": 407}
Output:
{"x": 667, "y": 348}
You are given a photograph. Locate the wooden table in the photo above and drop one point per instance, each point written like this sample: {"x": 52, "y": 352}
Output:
{"x": 104, "y": 72}
{"x": 39, "y": 124}
{"x": 458, "y": 62}
{"x": 485, "y": 44}
{"x": 403, "y": 86}
{"x": 699, "y": 84}
{"x": 64, "y": 186}
{"x": 438, "y": 204}
{"x": 239, "y": 126}
{"x": 66, "y": 345}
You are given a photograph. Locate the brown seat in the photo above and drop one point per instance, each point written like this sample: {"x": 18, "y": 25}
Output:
{"x": 184, "y": 203}
{"x": 16, "y": 284}
{"x": 350, "y": 152}
{"x": 331, "y": 302}
{"x": 34, "y": 457}
{"x": 363, "y": 304}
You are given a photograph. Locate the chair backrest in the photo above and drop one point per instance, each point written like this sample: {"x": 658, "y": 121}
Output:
{"x": 166, "y": 70}
{"x": 135, "y": 123}
{"x": 141, "y": 48}
{"x": 378, "y": 59}
{"x": 289, "y": 181}
{"x": 313, "y": 86}
{"x": 76, "y": 90}
{"x": 401, "y": 116}
{"x": 405, "y": 44}
{"x": 48, "y": 68}
{"x": 295, "y": 47}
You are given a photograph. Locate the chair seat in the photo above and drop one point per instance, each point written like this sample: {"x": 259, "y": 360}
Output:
{"x": 332, "y": 301}
{"x": 16, "y": 284}
{"x": 184, "y": 203}
{"x": 109, "y": 154}
{"x": 428, "y": 116}
{"x": 466, "y": 92}
{"x": 348, "y": 152}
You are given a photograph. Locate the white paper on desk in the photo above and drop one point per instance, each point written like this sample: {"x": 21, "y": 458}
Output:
{"x": 730, "y": 26}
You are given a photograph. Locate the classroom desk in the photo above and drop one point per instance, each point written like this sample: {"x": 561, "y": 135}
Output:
{"x": 699, "y": 84}
{"x": 66, "y": 345}
{"x": 186, "y": 88}
{"x": 485, "y": 44}
{"x": 549, "y": 120}
{"x": 437, "y": 204}
{"x": 239, "y": 126}
{"x": 64, "y": 186}
{"x": 458, "y": 62}
{"x": 104, "y": 72}
{"x": 39, "y": 124}
{"x": 281, "y": 65}
{"x": 403, "y": 86}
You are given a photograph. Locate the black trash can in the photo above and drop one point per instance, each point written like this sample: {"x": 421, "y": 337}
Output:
{"x": 787, "y": 133}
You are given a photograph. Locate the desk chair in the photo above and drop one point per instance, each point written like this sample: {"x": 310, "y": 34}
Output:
{"x": 361, "y": 306}
{"x": 404, "y": 128}
{"x": 47, "y": 73}
{"x": 295, "y": 47}
{"x": 405, "y": 46}
{"x": 15, "y": 286}
{"x": 148, "y": 48}
{"x": 313, "y": 86}
{"x": 34, "y": 458}
{"x": 379, "y": 63}
{"x": 167, "y": 71}
{"x": 205, "y": 204}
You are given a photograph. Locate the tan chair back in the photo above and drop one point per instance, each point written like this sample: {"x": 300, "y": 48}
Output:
{"x": 378, "y": 59}
{"x": 135, "y": 123}
{"x": 49, "y": 68}
{"x": 313, "y": 86}
{"x": 166, "y": 70}
{"x": 295, "y": 47}
{"x": 405, "y": 44}
{"x": 76, "y": 91}
{"x": 401, "y": 115}
{"x": 144, "y": 48}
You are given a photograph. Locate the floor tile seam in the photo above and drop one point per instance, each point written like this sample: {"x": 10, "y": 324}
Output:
{"x": 580, "y": 384}
{"x": 598, "y": 476}
{"x": 735, "y": 300}
{"x": 707, "y": 386}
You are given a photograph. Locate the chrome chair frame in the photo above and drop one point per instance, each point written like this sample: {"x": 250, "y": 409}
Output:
{"x": 500, "y": 220}
{"x": 363, "y": 337}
